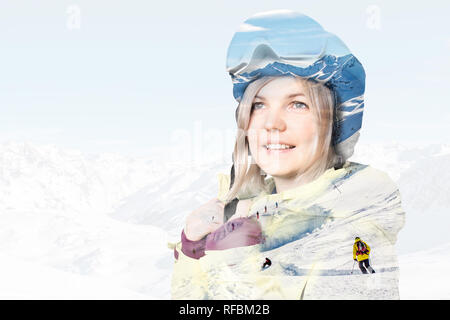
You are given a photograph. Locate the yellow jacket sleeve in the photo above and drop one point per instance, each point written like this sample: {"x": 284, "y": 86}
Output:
{"x": 354, "y": 251}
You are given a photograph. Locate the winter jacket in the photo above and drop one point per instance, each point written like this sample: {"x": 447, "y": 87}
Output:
{"x": 306, "y": 233}
{"x": 360, "y": 256}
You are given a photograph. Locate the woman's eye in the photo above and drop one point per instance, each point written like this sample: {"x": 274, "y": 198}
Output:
{"x": 299, "y": 105}
{"x": 257, "y": 105}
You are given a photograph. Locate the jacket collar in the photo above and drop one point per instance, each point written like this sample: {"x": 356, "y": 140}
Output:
{"x": 326, "y": 181}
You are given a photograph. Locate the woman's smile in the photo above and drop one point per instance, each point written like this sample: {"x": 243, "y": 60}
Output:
{"x": 278, "y": 148}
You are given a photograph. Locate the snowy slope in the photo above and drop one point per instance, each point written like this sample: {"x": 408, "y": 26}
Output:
{"x": 91, "y": 220}
{"x": 133, "y": 258}
{"x": 21, "y": 279}
{"x": 424, "y": 274}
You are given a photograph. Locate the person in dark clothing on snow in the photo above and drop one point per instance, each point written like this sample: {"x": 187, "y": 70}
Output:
{"x": 266, "y": 263}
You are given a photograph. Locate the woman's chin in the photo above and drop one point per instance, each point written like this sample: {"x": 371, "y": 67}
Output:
{"x": 277, "y": 167}
{"x": 279, "y": 172}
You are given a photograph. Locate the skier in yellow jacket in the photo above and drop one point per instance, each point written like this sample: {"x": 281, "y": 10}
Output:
{"x": 361, "y": 252}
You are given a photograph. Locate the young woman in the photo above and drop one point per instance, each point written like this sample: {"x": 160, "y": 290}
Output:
{"x": 284, "y": 220}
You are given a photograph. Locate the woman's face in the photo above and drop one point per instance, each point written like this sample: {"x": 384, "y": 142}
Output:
{"x": 283, "y": 128}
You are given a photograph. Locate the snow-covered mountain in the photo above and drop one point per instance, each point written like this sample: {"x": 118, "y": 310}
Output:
{"x": 424, "y": 182}
{"x": 167, "y": 203}
{"x": 87, "y": 220}
{"x": 50, "y": 178}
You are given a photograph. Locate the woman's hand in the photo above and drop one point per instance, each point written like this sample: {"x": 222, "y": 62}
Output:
{"x": 204, "y": 220}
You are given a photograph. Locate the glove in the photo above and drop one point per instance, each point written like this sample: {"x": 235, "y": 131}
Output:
{"x": 235, "y": 233}
{"x": 238, "y": 232}
{"x": 355, "y": 259}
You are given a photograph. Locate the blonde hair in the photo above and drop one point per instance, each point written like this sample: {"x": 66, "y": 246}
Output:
{"x": 249, "y": 178}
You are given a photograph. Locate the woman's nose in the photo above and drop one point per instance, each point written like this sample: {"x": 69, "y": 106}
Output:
{"x": 274, "y": 121}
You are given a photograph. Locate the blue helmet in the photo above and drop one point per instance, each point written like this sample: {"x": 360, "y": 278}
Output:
{"x": 284, "y": 42}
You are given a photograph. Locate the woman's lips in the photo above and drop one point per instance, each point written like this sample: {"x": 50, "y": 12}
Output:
{"x": 278, "y": 150}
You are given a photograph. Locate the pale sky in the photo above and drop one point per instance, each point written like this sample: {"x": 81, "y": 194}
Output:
{"x": 125, "y": 76}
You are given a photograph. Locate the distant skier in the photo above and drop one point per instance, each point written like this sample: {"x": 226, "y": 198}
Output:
{"x": 361, "y": 252}
{"x": 266, "y": 263}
